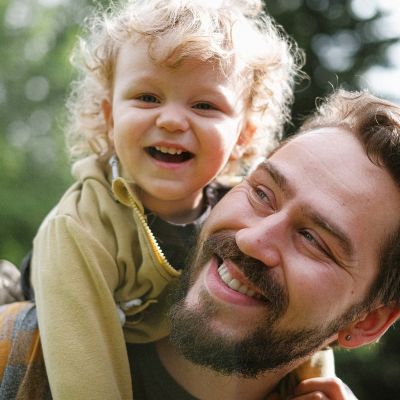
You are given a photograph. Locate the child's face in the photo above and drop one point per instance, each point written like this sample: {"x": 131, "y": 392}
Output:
{"x": 173, "y": 129}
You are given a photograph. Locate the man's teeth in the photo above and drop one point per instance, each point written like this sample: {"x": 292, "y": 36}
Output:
{"x": 168, "y": 150}
{"x": 234, "y": 283}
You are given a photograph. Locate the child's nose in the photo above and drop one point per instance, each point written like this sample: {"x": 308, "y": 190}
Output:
{"x": 172, "y": 118}
{"x": 264, "y": 240}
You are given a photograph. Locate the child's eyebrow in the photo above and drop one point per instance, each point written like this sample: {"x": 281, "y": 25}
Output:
{"x": 144, "y": 78}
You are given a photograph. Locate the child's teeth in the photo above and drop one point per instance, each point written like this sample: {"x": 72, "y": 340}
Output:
{"x": 168, "y": 150}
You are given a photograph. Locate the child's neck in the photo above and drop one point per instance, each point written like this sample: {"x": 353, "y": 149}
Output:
{"x": 178, "y": 212}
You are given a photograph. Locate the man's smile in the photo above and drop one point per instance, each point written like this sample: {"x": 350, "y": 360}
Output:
{"x": 225, "y": 283}
{"x": 234, "y": 283}
{"x": 237, "y": 282}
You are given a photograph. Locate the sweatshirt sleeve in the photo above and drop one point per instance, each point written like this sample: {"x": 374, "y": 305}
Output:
{"x": 74, "y": 277}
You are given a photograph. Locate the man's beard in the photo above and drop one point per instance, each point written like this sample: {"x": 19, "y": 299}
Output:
{"x": 264, "y": 348}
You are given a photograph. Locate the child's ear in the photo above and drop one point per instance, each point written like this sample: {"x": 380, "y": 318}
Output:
{"x": 108, "y": 117}
{"x": 370, "y": 328}
{"x": 247, "y": 133}
{"x": 244, "y": 139}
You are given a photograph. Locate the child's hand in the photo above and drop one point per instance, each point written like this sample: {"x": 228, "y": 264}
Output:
{"x": 331, "y": 388}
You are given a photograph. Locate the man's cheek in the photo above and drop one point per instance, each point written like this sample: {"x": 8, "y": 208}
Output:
{"x": 195, "y": 287}
{"x": 227, "y": 215}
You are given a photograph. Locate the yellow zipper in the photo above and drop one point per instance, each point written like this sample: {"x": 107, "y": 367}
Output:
{"x": 152, "y": 240}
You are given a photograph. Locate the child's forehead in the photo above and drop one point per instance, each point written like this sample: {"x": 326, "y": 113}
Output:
{"x": 136, "y": 68}
{"x": 173, "y": 53}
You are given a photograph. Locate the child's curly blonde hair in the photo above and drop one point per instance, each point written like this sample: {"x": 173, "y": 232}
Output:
{"x": 235, "y": 34}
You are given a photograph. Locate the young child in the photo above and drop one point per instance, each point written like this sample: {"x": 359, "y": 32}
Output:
{"x": 173, "y": 97}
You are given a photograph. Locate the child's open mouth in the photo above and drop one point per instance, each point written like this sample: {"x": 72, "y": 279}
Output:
{"x": 169, "y": 154}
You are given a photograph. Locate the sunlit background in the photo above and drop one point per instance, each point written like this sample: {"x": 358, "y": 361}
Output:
{"x": 350, "y": 43}
{"x": 38, "y": 35}
{"x": 382, "y": 80}
{"x": 373, "y": 22}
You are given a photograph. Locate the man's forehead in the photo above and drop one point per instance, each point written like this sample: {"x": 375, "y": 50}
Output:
{"x": 315, "y": 135}
{"x": 333, "y": 160}
{"x": 328, "y": 145}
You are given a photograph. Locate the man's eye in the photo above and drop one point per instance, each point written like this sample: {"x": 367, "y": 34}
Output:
{"x": 204, "y": 106}
{"x": 261, "y": 194}
{"x": 261, "y": 198}
{"x": 148, "y": 98}
{"x": 309, "y": 237}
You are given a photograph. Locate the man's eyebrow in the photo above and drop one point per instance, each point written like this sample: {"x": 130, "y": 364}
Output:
{"x": 319, "y": 220}
{"x": 277, "y": 176}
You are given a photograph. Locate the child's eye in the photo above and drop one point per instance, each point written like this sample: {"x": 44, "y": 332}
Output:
{"x": 204, "y": 106}
{"x": 148, "y": 98}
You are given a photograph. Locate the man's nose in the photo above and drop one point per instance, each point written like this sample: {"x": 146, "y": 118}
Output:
{"x": 172, "y": 118}
{"x": 264, "y": 239}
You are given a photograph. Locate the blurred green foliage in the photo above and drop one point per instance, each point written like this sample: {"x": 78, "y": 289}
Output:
{"x": 342, "y": 40}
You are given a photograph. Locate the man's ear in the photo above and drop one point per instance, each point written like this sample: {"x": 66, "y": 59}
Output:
{"x": 370, "y": 328}
{"x": 108, "y": 117}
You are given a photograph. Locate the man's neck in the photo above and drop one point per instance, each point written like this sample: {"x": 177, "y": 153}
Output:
{"x": 204, "y": 383}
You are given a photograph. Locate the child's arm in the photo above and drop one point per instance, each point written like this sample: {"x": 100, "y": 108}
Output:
{"x": 320, "y": 364}
{"x": 74, "y": 277}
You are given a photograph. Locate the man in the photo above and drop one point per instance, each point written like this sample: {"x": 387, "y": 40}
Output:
{"x": 304, "y": 253}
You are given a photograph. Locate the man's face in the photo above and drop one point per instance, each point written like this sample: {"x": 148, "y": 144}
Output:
{"x": 289, "y": 256}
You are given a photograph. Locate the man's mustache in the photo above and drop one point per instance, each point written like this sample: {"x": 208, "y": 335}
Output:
{"x": 223, "y": 245}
